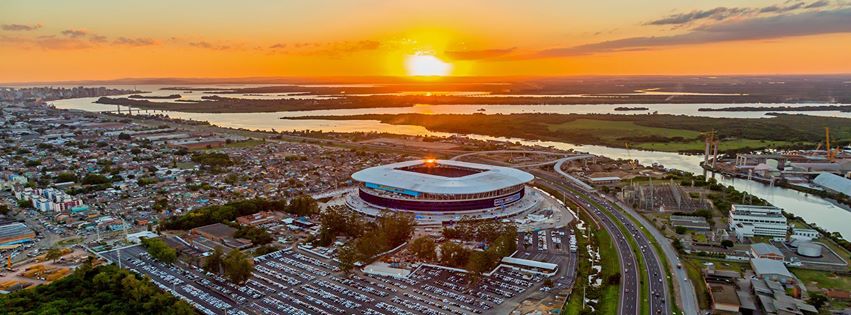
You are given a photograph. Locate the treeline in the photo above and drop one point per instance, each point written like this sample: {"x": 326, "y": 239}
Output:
{"x": 235, "y": 265}
{"x": 369, "y": 238}
{"x": 500, "y": 240}
{"x": 789, "y": 128}
{"x": 159, "y": 250}
{"x": 301, "y": 205}
{"x": 103, "y": 290}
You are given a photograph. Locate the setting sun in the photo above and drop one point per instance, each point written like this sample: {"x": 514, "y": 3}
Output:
{"x": 426, "y": 65}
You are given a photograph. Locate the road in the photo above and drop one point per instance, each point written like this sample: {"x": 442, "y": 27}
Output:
{"x": 687, "y": 295}
{"x": 629, "y": 303}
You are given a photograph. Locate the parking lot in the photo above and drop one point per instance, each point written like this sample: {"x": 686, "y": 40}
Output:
{"x": 295, "y": 282}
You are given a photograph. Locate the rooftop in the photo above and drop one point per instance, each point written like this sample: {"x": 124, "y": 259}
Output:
{"x": 414, "y": 176}
{"x": 834, "y": 182}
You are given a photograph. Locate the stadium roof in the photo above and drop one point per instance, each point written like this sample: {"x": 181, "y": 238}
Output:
{"x": 834, "y": 182}
{"x": 492, "y": 178}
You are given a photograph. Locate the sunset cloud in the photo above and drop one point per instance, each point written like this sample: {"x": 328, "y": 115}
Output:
{"x": 137, "y": 42}
{"x": 74, "y": 33}
{"x": 724, "y": 13}
{"x": 20, "y": 27}
{"x": 761, "y": 28}
{"x": 208, "y": 45}
{"x": 478, "y": 54}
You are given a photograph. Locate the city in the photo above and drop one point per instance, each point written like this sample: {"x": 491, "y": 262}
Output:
{"x": 301, "y": 170}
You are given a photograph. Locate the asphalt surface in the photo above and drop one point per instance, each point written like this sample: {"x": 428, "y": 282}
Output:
{"x": 688, "y": 297}
{"x": 629, "y": 303}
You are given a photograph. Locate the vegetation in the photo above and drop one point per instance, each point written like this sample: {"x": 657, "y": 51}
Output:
{"x": 212, "y": 160}
{"x": 649, "y": 131}
{"x": 388, "y": 231}
{"x": 159, "y": 250}
{"x": 256, "y": 235}
{"x": 102, "y": 290}
{"x": 265, "y": 249}
{"x": 235, "y": 265}
{"x": 95, "y": 179}
{"x": 302, "y": 205}
{"x": 500, "y": 240}
{"x": 53, "y": 254}
{"x": 66, "y": 177}
{"x": 823, "y": 279}
{"x": 424, "y": 248}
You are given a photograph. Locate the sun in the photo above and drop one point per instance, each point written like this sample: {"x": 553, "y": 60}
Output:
{"x": 427, "y": 65}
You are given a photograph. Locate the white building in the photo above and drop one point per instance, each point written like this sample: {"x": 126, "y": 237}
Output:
{"x": 805, "y": 234}
{"x": 749, "y": 221}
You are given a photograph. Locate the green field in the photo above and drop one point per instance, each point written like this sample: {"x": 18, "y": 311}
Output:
{"x": 822, "y": 279}
{"x": 612, "y": 130}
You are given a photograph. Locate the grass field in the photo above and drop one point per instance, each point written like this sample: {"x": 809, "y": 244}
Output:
{"x": 612, "y": 130}
{"x": 822, "y": 279}
{"x": 693, "y": 270}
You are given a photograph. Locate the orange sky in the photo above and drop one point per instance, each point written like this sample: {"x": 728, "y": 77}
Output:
{"x": 49, "y": 41}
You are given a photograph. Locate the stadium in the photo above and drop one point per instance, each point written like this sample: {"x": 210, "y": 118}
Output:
{"x": 438, "y": 191}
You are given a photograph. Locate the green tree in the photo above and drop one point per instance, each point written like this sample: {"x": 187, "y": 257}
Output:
{"x": 53, "y": 254}
{"x": 348, "y": 257}
{"x": 4, "y": 209}
{"x": 213, "y": 263}
{"x": 727, "y": 243}
{"x": 453, "y": 255}
{"x": 159, "y": 250}
{"x": 95, "y": 179}
{"x": 680, "y": 230}
{"x": 237, "y": 266}
{"x": 424, "y": 248}
{"x": 255, "y": 234}
{"x": 66, "y": 177}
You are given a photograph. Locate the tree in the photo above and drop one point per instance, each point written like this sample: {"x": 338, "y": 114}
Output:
{"x": 159, "y": 250}
{"x": 53, "y": 254}
{"x": 817, "y": 300}
{"x": 480, "y": 262}
{"x": 454, "y": 255}
{"x": 66, "y": 177}
{"x": 23, "y": 203}
{"x": 727, "y": 243}
{"x": 255, "y": 234}
{"x": 237, "y": 266}
{"x": 424, "y": 248}
{"x": 213, "y": 263}
{"x": 95, "y": 179}
{"x": 4, "y": 209}
{"x": 680, "y": 230}
{"x": 348, "y": 257}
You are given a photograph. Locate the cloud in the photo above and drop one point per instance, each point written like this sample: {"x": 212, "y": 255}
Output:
{"x": 20, "y": 27}
{"x": 327, "y": 49}
{"x": 134, "y": 41}
{"x": 770, "y": 27}
{"x": 478, "y": 54}
{"x": 207, "y": 45}
{"x": 719, "y": 13}
{"x": 75, "y": 33}
{"x": 57, "y": 43}
{"x": 98, "y": 39}
{"x": 724, "y": 13}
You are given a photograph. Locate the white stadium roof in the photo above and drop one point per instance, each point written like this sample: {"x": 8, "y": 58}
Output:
{"x": 834, "y": 182}
{"x": 492, "y": 178}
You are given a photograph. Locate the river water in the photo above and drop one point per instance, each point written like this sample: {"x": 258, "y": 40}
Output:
{"x": 813, "y": 209}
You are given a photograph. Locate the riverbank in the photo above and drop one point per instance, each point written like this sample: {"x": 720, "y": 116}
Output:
{"x": 668, "y": 133}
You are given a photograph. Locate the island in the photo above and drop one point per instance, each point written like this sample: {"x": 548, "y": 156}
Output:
{"x": 623, "y": 108}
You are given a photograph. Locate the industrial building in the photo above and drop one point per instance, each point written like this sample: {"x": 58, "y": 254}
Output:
{"x": 690, "y": 222}
{"x": 15, "y": 233}
{"x": 766, "y": 251}
{"x": 750, "y": 221}
{"x": 834, "y": 183}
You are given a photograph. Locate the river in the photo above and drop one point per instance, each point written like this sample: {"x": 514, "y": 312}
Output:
{"x": 813, "y": 209}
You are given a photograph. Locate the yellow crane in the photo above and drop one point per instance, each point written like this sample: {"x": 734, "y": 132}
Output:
{"x": 827, "y": 147}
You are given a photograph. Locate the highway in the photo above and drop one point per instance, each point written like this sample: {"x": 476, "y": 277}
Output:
{"x": 629, "y": 303}
{"x": 688, "y": 297}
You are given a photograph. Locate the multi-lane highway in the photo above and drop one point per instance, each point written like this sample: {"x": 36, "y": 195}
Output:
{"x": 629, "y": 302}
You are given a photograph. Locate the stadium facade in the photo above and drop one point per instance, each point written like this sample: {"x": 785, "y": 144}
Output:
{"x": 442, "y": 190}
